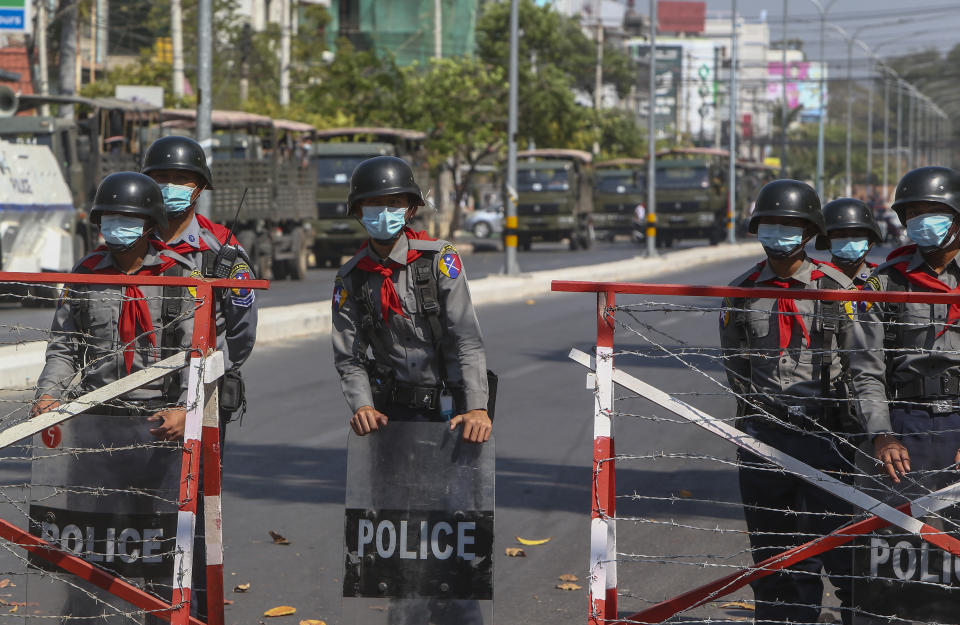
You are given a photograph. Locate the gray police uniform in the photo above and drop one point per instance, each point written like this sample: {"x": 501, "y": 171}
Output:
{"x": 236, "y": 311}
{"x": 788, "y": 385}
{"x": 905, "y": 354}
{"x": 409, "y": 340}
{"x": 85, "y": 337}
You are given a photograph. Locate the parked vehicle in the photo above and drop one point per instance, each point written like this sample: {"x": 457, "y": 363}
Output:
{"x": 621, "y": 185}
{"x": 334, "y": 155}
{"x": 264, "y": 156}
{"x": 484, "y": 222}
{"x": 555, "y": 189}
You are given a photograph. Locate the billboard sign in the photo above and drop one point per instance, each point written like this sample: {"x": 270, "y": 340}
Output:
{"x": 14, "y": 17}
{"x": 681, "y": 17}
{"x": 803, "y": 85}
{"x": 669, "y": 79}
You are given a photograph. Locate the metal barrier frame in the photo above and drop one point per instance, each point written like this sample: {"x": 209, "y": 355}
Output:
{"x": 201, "y": 437}
{"x": 602, "y": 594}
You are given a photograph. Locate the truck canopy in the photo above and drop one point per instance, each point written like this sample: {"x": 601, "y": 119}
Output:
{"x": 557, "y": 153}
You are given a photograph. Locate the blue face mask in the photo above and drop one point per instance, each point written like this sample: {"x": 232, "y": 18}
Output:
{"x": 384, "y": 222}
{"x": 929, "y": 230}
{"x": 177, "y": 198}
{"x": 121, "y": 231}
{"x": 849, "y": 248}
{"x": 780, "y": 239}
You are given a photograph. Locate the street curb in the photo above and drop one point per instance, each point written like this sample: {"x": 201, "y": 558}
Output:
{"x": 21, "y": 364}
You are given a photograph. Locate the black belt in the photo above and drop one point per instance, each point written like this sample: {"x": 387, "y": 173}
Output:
{"x": 940, "y": 386}
{"x": 425, "y": 397}
{"x": 934, "y": 406}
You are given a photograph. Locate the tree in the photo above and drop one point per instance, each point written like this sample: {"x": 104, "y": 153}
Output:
{"x": 461, "y": 104}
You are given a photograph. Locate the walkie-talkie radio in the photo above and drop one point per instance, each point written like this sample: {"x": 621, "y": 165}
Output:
{"x": 227, "y": 255}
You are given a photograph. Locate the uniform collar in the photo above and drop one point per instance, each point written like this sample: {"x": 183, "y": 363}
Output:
{"x": 152, "y": 258}
{"x": 802, "y": 275}
{"x": 190, "y": 236}
{"x": 398, "y": 254}
{"x": 917, "y": 261}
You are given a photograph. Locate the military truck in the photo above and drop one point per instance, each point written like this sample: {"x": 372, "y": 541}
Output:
{"x": 555, "y": 191}
{"x": 104, "y": 135}
{"x": 621, "y": 186}
{"x": 265, "y": 157}
{"x": 334, "y": 156}
{"x": 691, "y": 195}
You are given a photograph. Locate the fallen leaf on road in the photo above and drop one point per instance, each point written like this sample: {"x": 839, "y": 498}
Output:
{"x": 242, "y": 587}
{"x": 531, "y": 302}
{"x": 516, "y": 552}
{"x": 743, "y": 605}
{"x": 568, "y": 586}
{"x": 278, "y": 539}
{"x": 4, "y": 583}
{"x": 538, "y": 541}
{"x": 281, "y": 610}
{"x": 14, "y": 608}
{"x": 311, "y": 621}
{"x": 686, "y": 494}
{"x": 227, "y": 602}
{"x": 568, "y": 578}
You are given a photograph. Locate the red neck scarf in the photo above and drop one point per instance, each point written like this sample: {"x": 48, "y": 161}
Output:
{"x": 923, "y": 279}
{"x": 222, "y": 233}
{"x": 389, "y": 300}
{"x": 788, "y": 314}
{"x": 134, "y": 312}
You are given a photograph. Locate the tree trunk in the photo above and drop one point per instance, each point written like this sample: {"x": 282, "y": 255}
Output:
{"x": 69, "y": 16}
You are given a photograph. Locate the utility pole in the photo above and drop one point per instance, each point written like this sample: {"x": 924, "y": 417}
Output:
{"x": 102, "y": 8}
{"x": 598, "y": 80}
{"x": 783, "y": 94}
{"x": 911, "y": 128}
{"x": 732, "y": 183}
{"x": 511, "y": 268}
{"x": 652, "y": 137}
{"x": 205, "y": 88}
{"x": 848, "y": 173}
{"x": 68, "y": 52}
{"x": 899, "y": 128}
{"x": 285, "y": 53}
{"x": 869, "y": 180}
{"x": 42, "y": 54}
{"x": 886, "y": 133}
{"x": 437, "y": 29}
{"x": 176, "y": 42}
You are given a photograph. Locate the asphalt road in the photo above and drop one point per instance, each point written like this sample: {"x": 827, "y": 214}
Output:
{"x": 285, "y": 466}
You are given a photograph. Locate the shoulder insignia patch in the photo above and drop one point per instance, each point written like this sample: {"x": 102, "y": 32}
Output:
{"x": 192, "y": 289}
{"x": 856, "y": 308}
{"x": 873, "y": 284}
{"x": 64, "y": 296}
{"x": 339, "y": 293}
{"x": 241, "y": 297}
{"x": 450, "y": 264}
{"x": 726, "y": 314}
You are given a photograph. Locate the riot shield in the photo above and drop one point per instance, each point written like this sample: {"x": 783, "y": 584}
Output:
{"x": 898, "y": 577}
{"x": 104, "y": 489}
{"x": 418, "y": 529}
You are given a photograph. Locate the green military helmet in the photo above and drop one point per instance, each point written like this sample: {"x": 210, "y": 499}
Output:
{"x": 382, "y": 175}
{"x": 847, "y": 213}
{"x": 787, "y": 198}
{"x": 129, "y": 193}
{"x": 935, "y": 185}
{"x": 180, "y": 153}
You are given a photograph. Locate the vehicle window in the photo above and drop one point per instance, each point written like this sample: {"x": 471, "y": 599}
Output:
{"x": 682, "y": 177}
{"x": 337, "y": 169}
{"x": 626, "y": 183}
{"x": 543, "y": 180}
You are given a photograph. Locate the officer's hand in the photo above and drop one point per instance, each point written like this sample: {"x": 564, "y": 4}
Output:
{"x": 172, "y": 423}
{"x": 894, "y": 456}
{"x": 44, "y": 403}
{"x": 367, "y": 419}
{"x": 476, "y": 425}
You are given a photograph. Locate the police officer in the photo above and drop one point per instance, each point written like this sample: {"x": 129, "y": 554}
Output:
{"x": 106, "y": 332}
{"x": 852, "y": 231}
{"x": 179, "y": 166}
{"x": 786, "y": 377}
{"x": 908, "y": 354}
{"x": 405, "y": 296}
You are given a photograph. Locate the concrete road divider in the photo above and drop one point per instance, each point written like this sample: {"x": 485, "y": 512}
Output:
{"x": 21, "y": 364}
